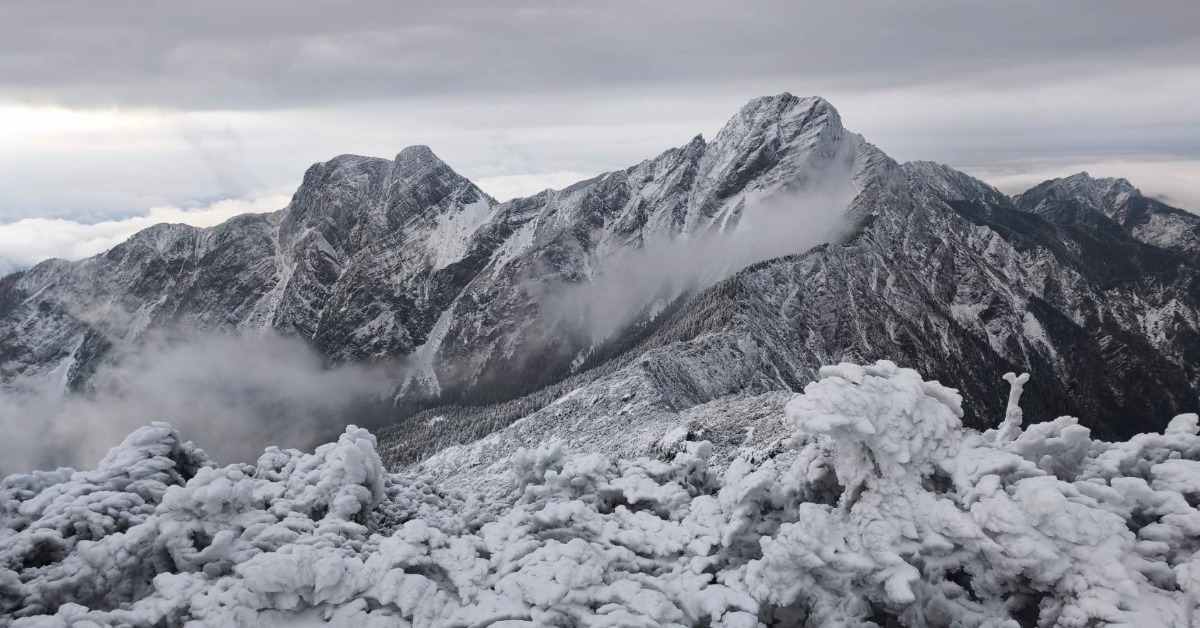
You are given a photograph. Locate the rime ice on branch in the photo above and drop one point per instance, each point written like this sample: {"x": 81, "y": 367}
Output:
{"x": 1013, "y": 415}
{"x": 884, "y": 512}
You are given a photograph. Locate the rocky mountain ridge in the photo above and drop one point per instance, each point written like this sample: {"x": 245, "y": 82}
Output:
{"x": 948, "y": 274}
{"x": 1085, "y": 282}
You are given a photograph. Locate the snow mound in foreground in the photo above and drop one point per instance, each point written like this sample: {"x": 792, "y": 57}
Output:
{"x": 883, "y": 511}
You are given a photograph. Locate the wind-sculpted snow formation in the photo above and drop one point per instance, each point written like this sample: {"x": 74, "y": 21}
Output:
{"x": 883, "y": 510}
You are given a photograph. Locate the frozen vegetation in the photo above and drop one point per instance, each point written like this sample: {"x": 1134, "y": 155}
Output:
{"x": 881, "y": 510}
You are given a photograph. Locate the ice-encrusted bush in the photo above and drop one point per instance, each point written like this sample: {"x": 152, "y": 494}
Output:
{"x": 884, "y": 511}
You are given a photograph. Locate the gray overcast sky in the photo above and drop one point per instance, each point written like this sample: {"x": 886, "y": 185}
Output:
{"x": 109, "y": 109}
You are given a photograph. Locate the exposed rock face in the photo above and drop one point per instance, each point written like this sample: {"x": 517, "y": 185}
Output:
{"x": 1086, "y": 283}
{"x": 946, "y": 274}
{"x": 956, "y": 278}
{"x": 361, "y": 263}
{"x": 1113, "y": 207}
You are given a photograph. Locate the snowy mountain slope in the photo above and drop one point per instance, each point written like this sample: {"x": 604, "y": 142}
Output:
{"x": 63, "y": 318}
{"x": 945, "y": 273}
{"x": 880, "y": 510}
{"x": 621, "y": 416}
{"x": 560, "y": 239}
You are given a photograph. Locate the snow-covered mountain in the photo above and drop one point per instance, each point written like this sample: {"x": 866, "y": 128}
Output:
{"x": 393, "y": 233}
{"x": 945, "y": 273}
{"x": 1086, "y": 283}
{"x": 1080, "y": 200}
{"x": 375, "y": 258}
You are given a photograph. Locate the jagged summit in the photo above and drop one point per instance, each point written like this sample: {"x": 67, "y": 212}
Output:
{"x": 368, "y": 197}
{"x": 1085, "y": 180}
{"x": 1102, "y": 193}
{"x": 410, "y": 155}
{"x": 418, "y": 152}
{"x": 410, "y": 166}
{"x": 786, "y": 105}
{"x": 1115, "y": 207}
{"x": 419, "y": 162}
{"x": 772, "y": 121}
{"x": 778, "y": 143}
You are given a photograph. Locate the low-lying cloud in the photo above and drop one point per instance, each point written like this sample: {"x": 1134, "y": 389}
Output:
{"x": 1174, "y": 181}
{"x": 234, "y": 393}
{"x": 26, "y": 242}
{"x": 642, "y": 281}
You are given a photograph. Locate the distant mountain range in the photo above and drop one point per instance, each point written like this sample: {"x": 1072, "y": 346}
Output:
{"x": 1086, "y": 283}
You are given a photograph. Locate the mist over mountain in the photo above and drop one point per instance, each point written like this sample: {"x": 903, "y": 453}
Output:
{"x": 727, "y": 266}
{"x": 239, "y": 392}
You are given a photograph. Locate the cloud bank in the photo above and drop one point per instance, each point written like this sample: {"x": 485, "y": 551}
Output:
{"x": 236, "y": 393}
{"x": 26, "y": 242}
{"x": 1175, "y": 182}
{"x": 641, "y": 282}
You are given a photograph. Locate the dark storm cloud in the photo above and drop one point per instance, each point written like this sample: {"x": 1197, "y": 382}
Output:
{"x": 272, "y": 53}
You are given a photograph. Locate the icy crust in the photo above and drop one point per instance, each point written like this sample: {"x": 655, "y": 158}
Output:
{"x": 882, "y": 511}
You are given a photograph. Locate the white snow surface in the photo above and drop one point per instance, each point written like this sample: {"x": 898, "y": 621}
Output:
{"x": 880, "y": 510}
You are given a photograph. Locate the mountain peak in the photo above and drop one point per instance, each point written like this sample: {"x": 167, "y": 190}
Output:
{"x": 785, "y": 111}
{"x": 1114, "y": 206}
{"x": 1083, "y": 179}
{"x": 420, "y": 162}
{"x": 781, "y": 119}
{"x": 770, "y": 131}
{"x": 417, "y": 166}
{"x": 785, "y": 100}
{"x": 1104, "y": 194}
{"x": 1072, "y": 185}
{"x": 1100, "y": 204}
{"x": 418, "y": 153}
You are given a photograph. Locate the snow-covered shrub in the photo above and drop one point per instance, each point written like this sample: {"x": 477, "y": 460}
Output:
{"x": 937, "y": 526}
{"x": 884, "y": 511}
